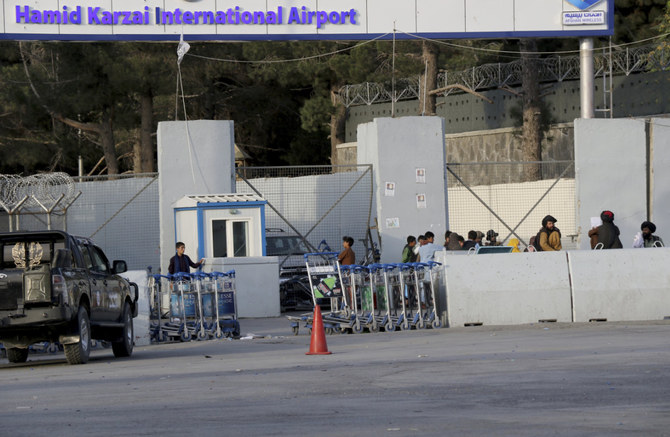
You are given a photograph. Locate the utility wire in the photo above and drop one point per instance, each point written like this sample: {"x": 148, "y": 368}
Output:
{"x": 278, "y": 61}
{"x": 513, "y": 53}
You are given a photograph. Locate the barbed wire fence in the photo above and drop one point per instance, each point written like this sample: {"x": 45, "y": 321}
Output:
{"x": 46, "y": 194}
{"x": 621, "y": 61}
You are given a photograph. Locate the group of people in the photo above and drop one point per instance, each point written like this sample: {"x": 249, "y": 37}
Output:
{"x": 423, "y": 248}
{"x": 604, "y": 236}
{"x": 548, "y": 238}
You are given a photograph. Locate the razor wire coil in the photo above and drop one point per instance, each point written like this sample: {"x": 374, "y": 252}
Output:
{"x": 40, "y": 190}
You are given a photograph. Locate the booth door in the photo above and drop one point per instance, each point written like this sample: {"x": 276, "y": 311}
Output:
{"x": 230, "y": 238}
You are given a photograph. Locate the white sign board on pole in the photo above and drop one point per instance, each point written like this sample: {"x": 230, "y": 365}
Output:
{"x": 253, "y": 20}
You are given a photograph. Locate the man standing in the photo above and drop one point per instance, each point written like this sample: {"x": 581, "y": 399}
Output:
{"x": 427, "y": 251}
{"x": 550, "y": 235}
{"x": 408, "y": 255}
{"x": 181, "y": 262}
{"x": 347, "y": 256}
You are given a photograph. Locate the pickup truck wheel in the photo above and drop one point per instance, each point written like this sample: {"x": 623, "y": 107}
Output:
{"x": 78, "y": 353}
{"x": 17, "y": 355}
{"x": 124, "y": 347}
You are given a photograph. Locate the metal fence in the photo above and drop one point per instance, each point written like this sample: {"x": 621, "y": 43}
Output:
{"x": 620, "y": 61}
{"x": 512, "y": 198}
{"x": 318, "y": 203}
{"x": 322, "y": 204}
{"x": 120, "y": 214}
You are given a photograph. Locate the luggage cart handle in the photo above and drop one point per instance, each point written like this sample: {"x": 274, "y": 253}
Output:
{"x": 179, "y": 275}
{"x": 321, "y": 254}
{"x": 157, "y": 276}
{"x": 420, "y": 265}
{"x": 405, "y": 266}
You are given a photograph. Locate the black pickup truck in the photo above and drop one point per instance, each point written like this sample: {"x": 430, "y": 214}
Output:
{"x": 57, "y": 287}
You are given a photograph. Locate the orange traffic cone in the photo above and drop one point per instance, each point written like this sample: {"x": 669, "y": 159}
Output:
{"x": 317, "y": 345}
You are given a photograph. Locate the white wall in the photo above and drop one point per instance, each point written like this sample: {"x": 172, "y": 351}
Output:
{"x": 610, "y": 171}
{"x": 507, "y": 289}
{"x": 620, "y": 285}
{"x": 186, "y": 224}
{"x": 397, "y": 147}
{"x": 195, "y": 157}
{"x": 257, "y": 282}
{"x": 660, "y": 177}
{"x": 141, "y": 323}
{"x": 578, "y": 286}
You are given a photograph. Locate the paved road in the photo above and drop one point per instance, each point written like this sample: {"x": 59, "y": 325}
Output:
{"x": 610, "y": 379}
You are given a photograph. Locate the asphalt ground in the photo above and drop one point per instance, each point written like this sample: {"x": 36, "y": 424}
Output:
{"x": 598, "y": 379}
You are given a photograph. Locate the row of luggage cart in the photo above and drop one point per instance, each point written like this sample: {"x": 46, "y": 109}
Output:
{"x": 372, "y": 298}
{"x": 193, "y": 306}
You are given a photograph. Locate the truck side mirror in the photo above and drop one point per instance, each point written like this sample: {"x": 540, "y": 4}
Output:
{"x": 119, "y": 266}
{"x": 62, "y": 259}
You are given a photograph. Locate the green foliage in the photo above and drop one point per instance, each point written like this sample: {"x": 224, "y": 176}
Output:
{"x": 281, "y": 109}
{"x": 635, "y": 20}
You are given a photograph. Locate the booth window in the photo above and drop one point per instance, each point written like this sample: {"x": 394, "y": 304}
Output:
{"x": 229, "y": 238}
{"x": 240, "y": 238}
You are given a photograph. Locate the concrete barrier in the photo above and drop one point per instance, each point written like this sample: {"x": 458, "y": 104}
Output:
{"x": 257, "y": 281}
{"x": 141, "y": 323}
{"x": 507, "y": 289}
{"x": 620, "y": 285}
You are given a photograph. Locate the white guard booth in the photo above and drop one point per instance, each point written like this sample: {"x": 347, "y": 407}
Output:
{"x": 228, "y": 230}
{"x": 222, "y": 225}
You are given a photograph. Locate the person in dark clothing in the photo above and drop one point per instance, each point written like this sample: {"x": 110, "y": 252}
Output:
{"x": 451, "y": 241}
{"x": 646, "y": 237}
{"x": 408, "y": 254}
{"x": 491, "y": 237}
{"x": 607, "y": 233}
{"x": 181, "y": 262}
{"x": 472, "y": 236}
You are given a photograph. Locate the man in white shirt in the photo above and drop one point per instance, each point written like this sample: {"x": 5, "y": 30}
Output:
{"x": 427, "y": 251}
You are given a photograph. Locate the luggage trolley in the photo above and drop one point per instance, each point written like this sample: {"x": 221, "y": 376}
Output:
{"x": 200, "y": 329}
{"x": 182, "y": 307}
{"x": 225, "y": 311}
{"x": 351, "y": 288}
{"x": 425, "y": 313}
{"x": 433, "y": 277}
{"x": 420, "y": 295}
{"x": 157, "y": 291}
{"x": 373, "y": 298}
{"x": 325, "y": 282}
{"x": 408, "y": 294}
{"x": 392, "y": 293}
